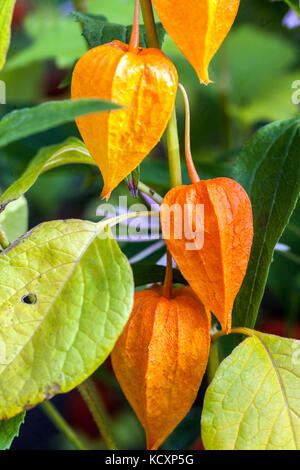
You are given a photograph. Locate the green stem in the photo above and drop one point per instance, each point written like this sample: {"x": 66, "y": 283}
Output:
{"x": 171, "y": 131}
{"x": 145, "y": 189}
{"x": 240, "y": 330}
{"x": 224, "y": 95}
{"x": 149, "y": 23}
{"x": 80, "y": 5}
{"x": 174, "y": 152}
{"x": 91, "y": 397}
{"x": 62, "y": 425}
{"x": 213, "y": 361}
{"x": 4, "y": 242}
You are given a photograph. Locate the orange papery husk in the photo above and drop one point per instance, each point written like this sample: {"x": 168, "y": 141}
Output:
{"x": 198, "y": 27}
{"x": 145, "y": 83}
{"x": 160, "y": 358}
{"x": 212, "y": 250}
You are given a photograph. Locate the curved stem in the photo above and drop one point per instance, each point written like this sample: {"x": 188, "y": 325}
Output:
{"x": 90, "y": 396}
{"x": 240, "y": 330}
{"x": 135, "y": 35}
{"x": 188, "y": 155}
{"x": 171, "y": 130}
{"x": 62, "y": 425}
{"x": 150, "y": 192}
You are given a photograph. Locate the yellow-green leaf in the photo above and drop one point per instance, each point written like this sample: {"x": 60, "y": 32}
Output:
{"x": 6, "y": 11}
{"x": 253, "y": 402}
{"x": 14, "y": 220}
{"x": 66, "y": 293}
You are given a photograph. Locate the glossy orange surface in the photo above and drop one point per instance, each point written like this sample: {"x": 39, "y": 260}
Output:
{"x": 161, "y": 357}
{"x": 145, "y": 82}
{"x": 215, "y": 269}
{"x": 198, "y": 27}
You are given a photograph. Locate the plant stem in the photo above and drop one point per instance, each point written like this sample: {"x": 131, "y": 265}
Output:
{"x": 174, "y": 152}
{"x": 80, "y": 5}
{"x": 171, "y": 135}
{"x": 135, "y": 35}
{"x": 62, "y": 425}
{"x": 90, "y": 396}
{"x": 240, "y": 330}
{"x": 168, "y": 282}
{"x": 171, "y": 131}
{"x": 4, "y": 242}
{"x": 213, "y": 361}
{"x": 188, "y": 154}
{"x": 150, "y": 192}
{"x": 149, "y": 23}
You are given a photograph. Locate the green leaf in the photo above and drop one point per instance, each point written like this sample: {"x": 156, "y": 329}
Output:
{"x": 269, "y": 170}
{"x": 14, "y": 220}
{"x": 53, "y": 37}
{"x": 97, "y": 31}
{"x": 253, "y": 401}
{"x": 66, "y": 293}
{"x": 6, "y": 11}
{"x": 294, "y": 4}
{"x": 9, "y": 430}
{"x": 274, "y": 54}
{"x": 146, "y": 273}
{"x": 272, "y": 104}
{"x": 28, "y": 121}
{"x": 69, "y": 152}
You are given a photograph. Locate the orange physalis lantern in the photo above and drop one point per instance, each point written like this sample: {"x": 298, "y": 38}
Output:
{"x": 211, "y": 238}
{"x": 198, "y": 27}
{"x": 160, "y": 358}
{"x": 145, "y": 82}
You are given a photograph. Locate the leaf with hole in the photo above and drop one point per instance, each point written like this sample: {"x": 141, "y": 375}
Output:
{"x": 253, "y": 402}
{"x": 269, "y": 170}
{"x": 71, "y": 151}
{"x": 66, "y": 293}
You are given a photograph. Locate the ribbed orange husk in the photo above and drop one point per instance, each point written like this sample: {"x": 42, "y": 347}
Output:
{"x": 161, "y": 357}
{"x": 215, "y": 269}
{"x": 198, "y": 27}
{"x": 145, "y": 83}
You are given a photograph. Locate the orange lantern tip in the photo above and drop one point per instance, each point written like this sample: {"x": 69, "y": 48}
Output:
{"x": 198, "y": 27}
{"x": 106, "y": 193}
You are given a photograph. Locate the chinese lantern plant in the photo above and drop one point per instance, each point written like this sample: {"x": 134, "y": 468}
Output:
{"x": 69, "y": 296}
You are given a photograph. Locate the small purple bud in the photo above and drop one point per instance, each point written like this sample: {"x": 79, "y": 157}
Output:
{"x": 291, "y": 20}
